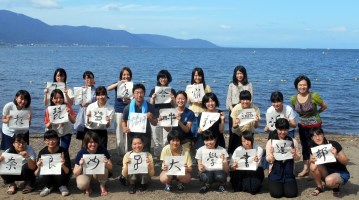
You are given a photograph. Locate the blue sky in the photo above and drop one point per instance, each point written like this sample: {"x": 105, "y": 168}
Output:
{"x": 228, "y": 23}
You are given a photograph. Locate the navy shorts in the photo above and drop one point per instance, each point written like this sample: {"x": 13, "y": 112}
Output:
{"x": 343, "y": 174}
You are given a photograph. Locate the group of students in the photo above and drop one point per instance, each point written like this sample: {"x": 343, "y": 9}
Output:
{"x": 180, "y": 140}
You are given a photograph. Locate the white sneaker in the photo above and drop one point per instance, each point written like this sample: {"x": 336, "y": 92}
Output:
{"x": 45, "y": 191}
{"x": 64, "y": 191}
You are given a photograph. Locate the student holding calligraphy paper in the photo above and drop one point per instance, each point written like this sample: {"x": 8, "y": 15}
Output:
{"x": 281, "y": 179}
{"x": 245, "y": 103}
{"x": 334, "y": 174}
{"x": 137, "y": 181}
{"x": 239, "y": 83}
{"x": 174, "y": 148}
{"x": 246, "y": 180}
{"x": 164, "y": 78}
{"x": 210, "y": 103}
{"x": 60, "y": 181}
{"x": 120, "y": 104}
{"x": 196, "y": 79}
{"x": 91, "y": 145}
{"x": 60, "y": 76}
{"x": 21, "y": 102}
{"x": 28, "y": 160}
{"x": 306, "y": 104}
{"x": 101, "y": 117}
{"x": 79, "y": 126}
{"x": 209, "y": 175}
{"x": 63, "y": 129}
{"x": 139, "y": 105}
{"x": 185, "y": 119}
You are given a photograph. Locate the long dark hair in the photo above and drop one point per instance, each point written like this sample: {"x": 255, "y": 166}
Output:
{"x": 244, "y": 72}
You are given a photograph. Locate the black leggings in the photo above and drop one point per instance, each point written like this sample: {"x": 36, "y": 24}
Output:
{"x": 287, "y": 189}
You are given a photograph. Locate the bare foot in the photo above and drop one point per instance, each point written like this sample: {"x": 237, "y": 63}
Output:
{"x": 104, "y": 191}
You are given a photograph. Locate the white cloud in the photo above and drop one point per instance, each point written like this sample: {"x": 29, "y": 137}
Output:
{"x": 46, "y": 4}
{"x": 139, "y": 7}
{"x": 121, "y": 26}
{"x": 340, "y": 29}
{"x": 224, "y": 26}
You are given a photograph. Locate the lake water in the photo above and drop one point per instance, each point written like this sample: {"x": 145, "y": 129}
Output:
{"x": 334, "y": 74}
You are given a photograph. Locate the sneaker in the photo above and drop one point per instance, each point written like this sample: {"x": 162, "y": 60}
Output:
{"x": 45, "y": 191}
{"x": 180, "y": 187}
{"x": 221, "y": 189}
{"x": 204, "y": 189}
{"x": 123, "y": 180}
{"x": 168, "y": 188}
{"x": 64, "y": 191}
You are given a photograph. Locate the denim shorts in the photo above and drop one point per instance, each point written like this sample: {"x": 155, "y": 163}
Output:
{"x": 343, "y": 174}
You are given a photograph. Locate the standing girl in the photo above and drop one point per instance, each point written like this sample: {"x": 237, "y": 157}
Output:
{"x": 21, "y": 102}
{"x": 64, "y": 129}
{"x": 306, "y": 103}
{"x": 79, "y": 125}
{"x": 196, "y": 107}
{"x": 120, "y": 104}
{"x": 210, "y": 103}
{"x": 61, "y": 77}
{"x": 239, "y": 83}
{"x": 164, "y": 78}
{"x": 100, "y": 129}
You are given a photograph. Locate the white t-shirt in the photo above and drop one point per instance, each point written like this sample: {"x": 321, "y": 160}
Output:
{"x": 92, "y": 106}
{"x": 272, "y": 115}
{"x": 6, "y": 111}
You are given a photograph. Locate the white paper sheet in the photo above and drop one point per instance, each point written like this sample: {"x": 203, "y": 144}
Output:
{"x": 94, "y": 164}
{"x": 51, "y": 164}
{"x": 323, "y": 154}
{"x": 208, "y": 119}
{"x": 138, "y": 164}
{"x": 175, "y": 165}
{"x": 168, "y": 116}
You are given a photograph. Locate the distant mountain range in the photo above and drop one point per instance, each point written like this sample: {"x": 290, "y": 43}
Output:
{"x": 20, "y": 29}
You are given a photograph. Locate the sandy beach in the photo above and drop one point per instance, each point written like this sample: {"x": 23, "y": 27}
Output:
{"x": 118, "y": 191}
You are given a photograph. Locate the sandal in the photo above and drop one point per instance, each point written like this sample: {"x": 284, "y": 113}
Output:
{"x": 317, "y": 191}
{"x": 88, "y": 192}
{"x": 27, "y": 189}
{"x": 11, "y": 189}
{"x": 336, "y": 192}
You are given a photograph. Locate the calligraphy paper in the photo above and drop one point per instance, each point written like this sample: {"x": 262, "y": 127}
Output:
{"x": 175, "y": 165}
{"x": 82, "y": 95}
{"x": 98, "y": 115}
{"x": 282, "y": 149}
{"x": 137, "y": 122}
{"x": 211, "y": 159}
{"x": 168, "y": 117}
{"x": 58, "y": 114}
{"x": 51, "y": 164}
{"x": 94, "y": 164}
{"x": 52, "y": 86}
{"x": 208, "y": 119}
{"x": 245, "y": 159}
{"x": 195, "y": 92}
{"x": 323, "y": 154}
{"x": 246, "y": 116}
{"x": 138, "y": 164}
{"x": 19, "y": 120}
{"x": 271, "y": 118}
{"x": 124, "y": 90}
{"x": 163, "y": 95}
{"x": 11, "y": 164}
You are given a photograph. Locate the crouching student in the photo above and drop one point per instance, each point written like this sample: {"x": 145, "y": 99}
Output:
{"x": 247, "y": 180}
{"x": 174, "y": 148}
{"x": 281, "y": 179}
{"x": 91, "y": 145}
{"x": 335, "y": 173}
{"x": 20, "y": 147}
{"x": 207, "y": 175}
{"x": 52, "y": 142}
{"x": 137, "y": 181}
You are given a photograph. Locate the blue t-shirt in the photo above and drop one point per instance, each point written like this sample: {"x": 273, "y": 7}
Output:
{"x": 186, "y": 116}
{"x": 119, "y": 104}
{"x": 100, "y": 150}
